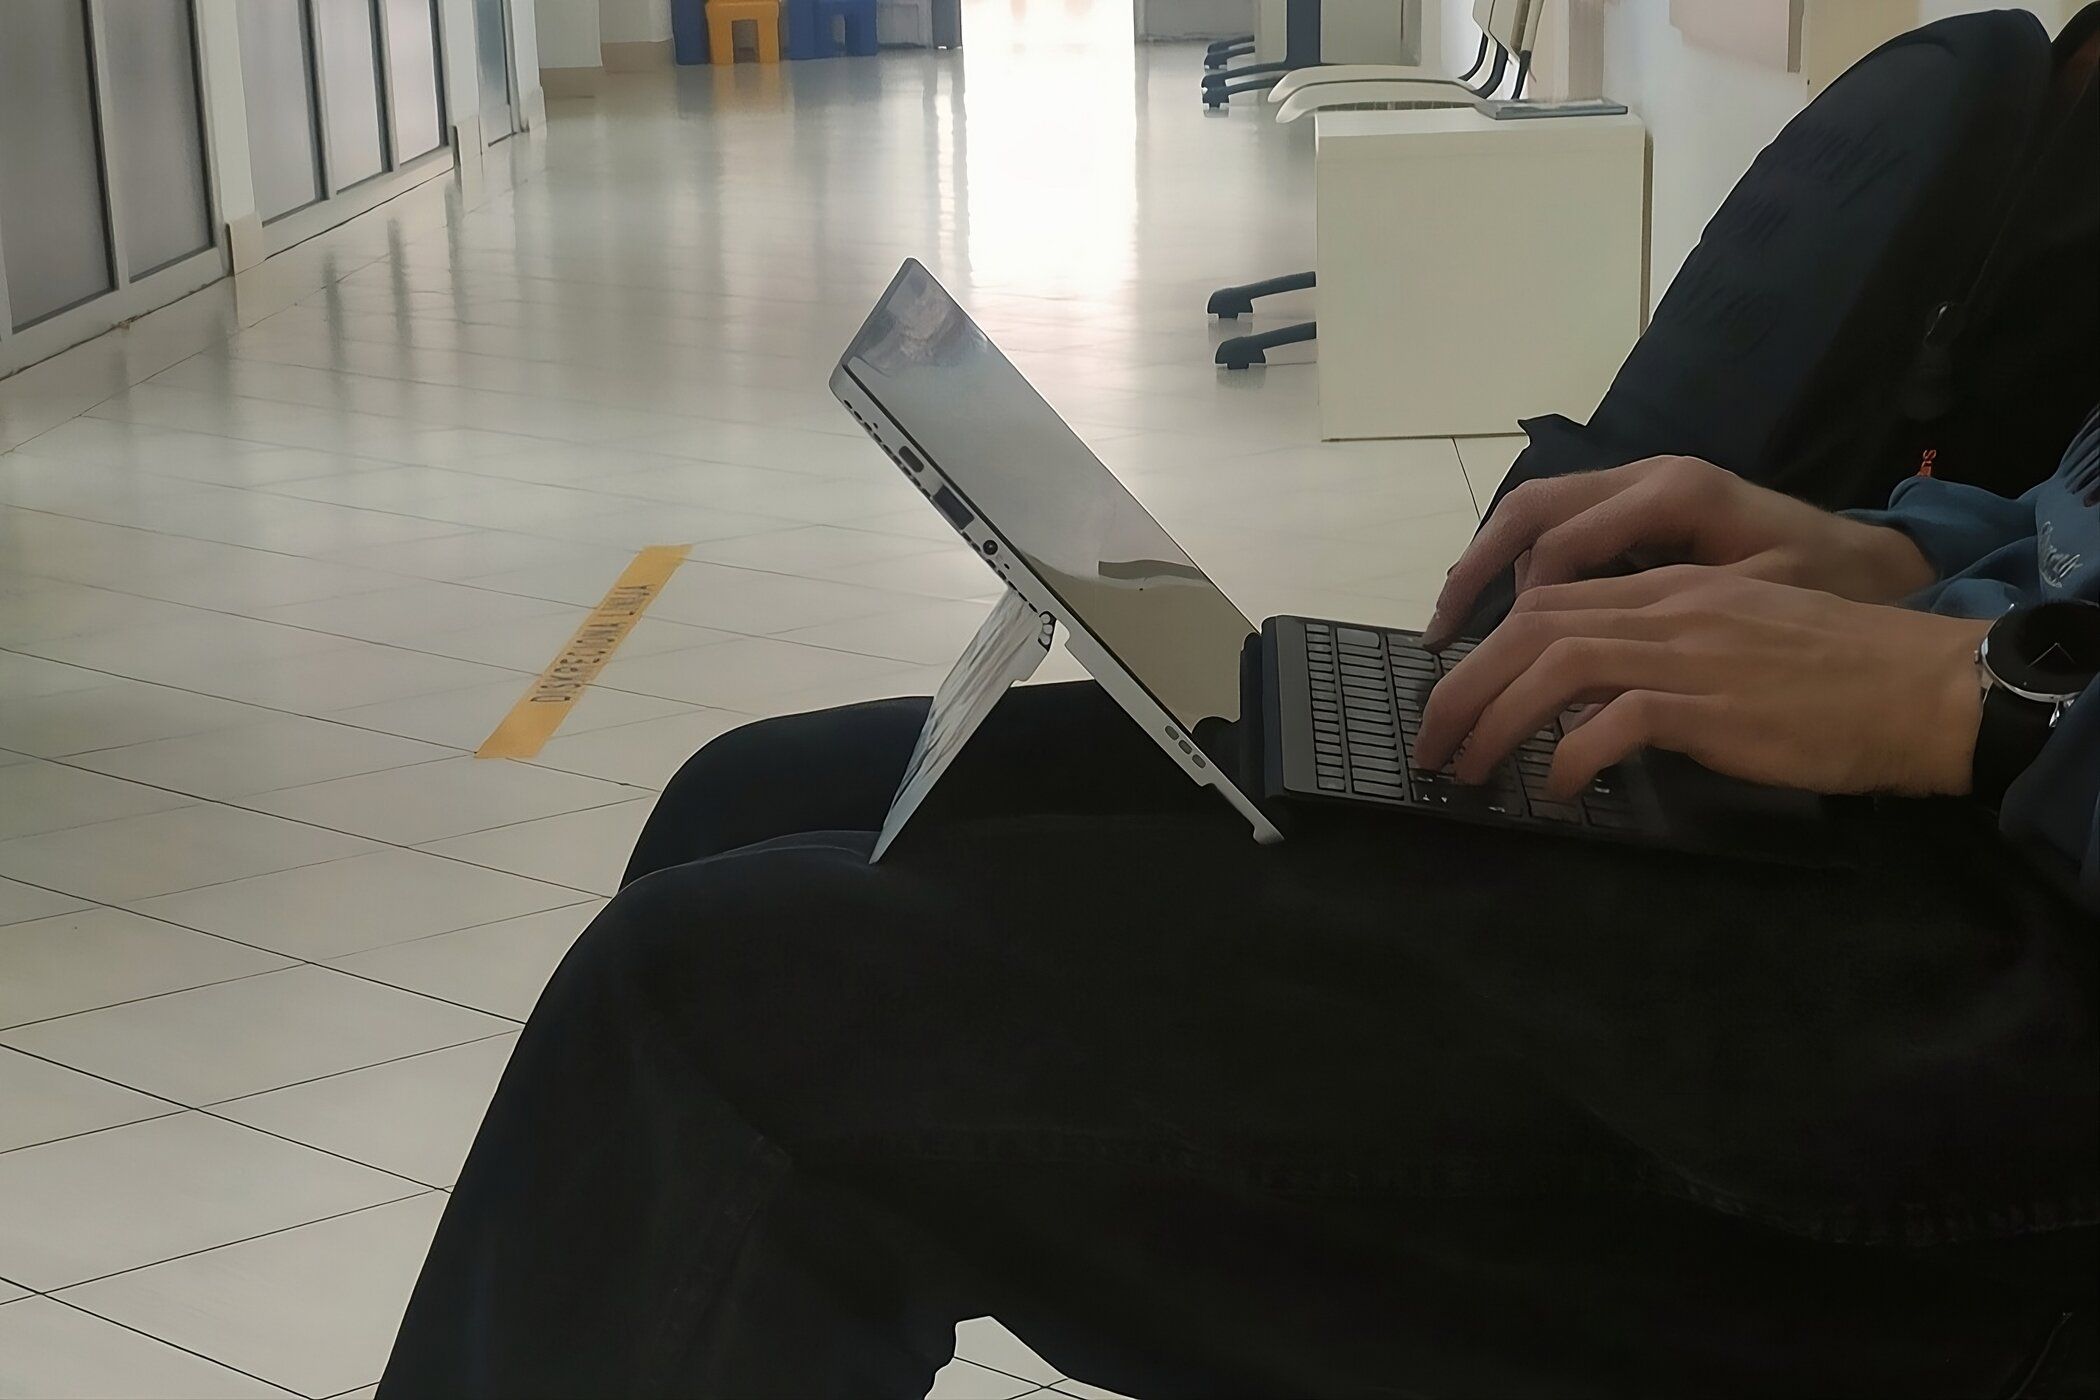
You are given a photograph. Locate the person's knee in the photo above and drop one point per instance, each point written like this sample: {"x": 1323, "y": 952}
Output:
{"x": 778, "y": 777}
{"x": 735, "y": 969}
{"x": 711, "y": 796}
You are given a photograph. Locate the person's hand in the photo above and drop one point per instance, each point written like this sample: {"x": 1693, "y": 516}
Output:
{"x": 1758, "y": 680}
{"x": 1674, "y": 510}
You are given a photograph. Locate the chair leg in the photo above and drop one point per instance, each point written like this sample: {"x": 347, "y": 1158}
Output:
{"x": 1230, "y": 303}
{"x": 1218, "y": 58}
{"x": 1244, "y": 350}
{"x": 1219, "y": 94}
{"x": 1245, "y": 70}
{"x": 1232, "y": 41}
{"x": 768, "y": 41}
{"x": 721, "y": 40}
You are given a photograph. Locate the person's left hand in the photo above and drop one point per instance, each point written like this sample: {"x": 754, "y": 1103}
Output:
{"x": 1758, "y": 680}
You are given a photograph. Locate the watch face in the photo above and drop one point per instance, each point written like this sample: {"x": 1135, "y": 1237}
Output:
{"x": 2047, "y": 652}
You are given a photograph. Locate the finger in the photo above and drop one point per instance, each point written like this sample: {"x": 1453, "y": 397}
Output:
{"x": 1636, "y": 720}
{"x": 1456, "y": 702}
{"x": 1627, "y": 591}
{"x": 1652, "y": 513}
{"x": 1525, "y": 514}
{"x": 1575, "y": 668}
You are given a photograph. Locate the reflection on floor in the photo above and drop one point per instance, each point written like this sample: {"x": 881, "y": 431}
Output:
{"x": 273, "y": 562}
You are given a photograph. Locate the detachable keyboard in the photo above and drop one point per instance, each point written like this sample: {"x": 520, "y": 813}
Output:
{"x": 1347, "y": 729}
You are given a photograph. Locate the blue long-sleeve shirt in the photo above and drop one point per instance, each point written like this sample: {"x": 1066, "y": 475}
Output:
{"x": 1991, "y": 554}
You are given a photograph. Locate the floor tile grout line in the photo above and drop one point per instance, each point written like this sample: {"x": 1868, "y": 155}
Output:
{"x": 291, "y": 959}
{"x": 421, "y": 1190}
{"x": 1168, "y": 361}
{"x": 511, "y": 1027}
{"x": 177, "y": 1107}
{"x": 200, "y": 799}
{"x": 915, "y": 599}
{"x": 330, "y": 963}
{"x": 174, "y": 1111}
{"x": 309, "y": 865}
{"x": 13, "y": 1026}
{"x": 213, "y": 1360}
{"x": 232, "y": 352}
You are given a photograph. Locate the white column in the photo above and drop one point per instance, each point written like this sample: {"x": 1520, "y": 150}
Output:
{"x": 525, "y": 54}
{"x": 226, "y": 129}
{"x": 462, "y": 81}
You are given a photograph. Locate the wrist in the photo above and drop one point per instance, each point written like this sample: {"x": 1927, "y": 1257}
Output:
{"x": 1886, "y": 564}
{"x": 1957, "y": 714}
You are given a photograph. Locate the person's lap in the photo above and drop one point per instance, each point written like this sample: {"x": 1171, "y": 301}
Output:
{"x": 1704, "y": 1010}
{"x": 1394, "y": 1092}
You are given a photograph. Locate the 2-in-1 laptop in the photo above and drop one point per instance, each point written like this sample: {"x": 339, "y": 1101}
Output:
{"x": 1298, "y": 713}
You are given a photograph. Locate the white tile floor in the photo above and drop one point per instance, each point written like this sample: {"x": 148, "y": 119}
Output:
{"x": 274, "y": 561}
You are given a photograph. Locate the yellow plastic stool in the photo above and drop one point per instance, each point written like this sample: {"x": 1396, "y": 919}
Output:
{"x": 722, "y": 16}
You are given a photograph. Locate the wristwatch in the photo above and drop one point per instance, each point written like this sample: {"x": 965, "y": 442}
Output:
{"x": 2034, "y": 663}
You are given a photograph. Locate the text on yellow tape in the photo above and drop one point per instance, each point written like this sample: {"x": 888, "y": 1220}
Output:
{"x": 547, "y": 702}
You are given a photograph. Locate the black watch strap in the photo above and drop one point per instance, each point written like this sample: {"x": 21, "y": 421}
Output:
{"x": 2011, "y": 739}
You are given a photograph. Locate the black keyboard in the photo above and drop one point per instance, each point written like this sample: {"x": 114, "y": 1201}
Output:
{"x": 1367, "y": 690}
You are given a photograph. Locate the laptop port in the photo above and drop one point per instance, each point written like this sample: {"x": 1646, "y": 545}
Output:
{"x": 950, "y": 505}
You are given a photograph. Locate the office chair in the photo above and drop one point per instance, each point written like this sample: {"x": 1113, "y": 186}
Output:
{"x": 1509, "y": 28}
{"x": 1507, "y": 31}
{"x": 1301, "y": 47}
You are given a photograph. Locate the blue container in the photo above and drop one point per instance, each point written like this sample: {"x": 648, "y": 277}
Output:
{"x": 859, "y": 17}
{"x": 804, "y": 39}
{"x": 689, "y": 31}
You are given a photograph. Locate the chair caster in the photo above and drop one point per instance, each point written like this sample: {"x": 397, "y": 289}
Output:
{"x": 1231, "y": 303}
{"x": 1243, "y": 351}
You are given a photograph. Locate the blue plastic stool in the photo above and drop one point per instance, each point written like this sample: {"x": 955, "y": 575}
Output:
{"x": 859, "y": 17}
{"x": 805, "y": 39}
{"x": 688, "y": 31}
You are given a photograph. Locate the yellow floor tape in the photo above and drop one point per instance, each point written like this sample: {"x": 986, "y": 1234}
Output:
{"x": 548, "y": 701}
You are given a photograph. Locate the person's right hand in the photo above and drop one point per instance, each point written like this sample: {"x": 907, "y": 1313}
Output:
{"x": 1674, "y": 510}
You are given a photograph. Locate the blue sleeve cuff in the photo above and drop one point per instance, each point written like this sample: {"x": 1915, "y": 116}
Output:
{"x": 1954, "y": 526}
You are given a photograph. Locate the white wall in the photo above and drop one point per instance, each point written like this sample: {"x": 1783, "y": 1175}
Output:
{"x": 634, "y": 21}
{"x": 569, "y": 33}
{"x": 1708, "y": 113}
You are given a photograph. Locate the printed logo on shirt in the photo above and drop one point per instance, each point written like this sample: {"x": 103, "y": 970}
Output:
{"x": 2057, "y": 565}
{"x": 1925, "y": 463}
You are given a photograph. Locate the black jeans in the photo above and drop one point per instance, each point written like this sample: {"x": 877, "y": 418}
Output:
{"x": 1396, "y": 1108}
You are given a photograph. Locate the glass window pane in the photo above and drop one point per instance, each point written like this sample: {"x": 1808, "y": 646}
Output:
{"x": 51, "y": 212}
{"x": 345, "y": 32}
{"x": 279, "y": 87}
{"x": 412, "y": 75}
{"x": 156, "y": 152}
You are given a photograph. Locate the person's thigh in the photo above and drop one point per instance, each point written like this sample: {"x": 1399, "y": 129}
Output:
{"x": 1159, "y": 1023}
{"x": 1044, "y": 748}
